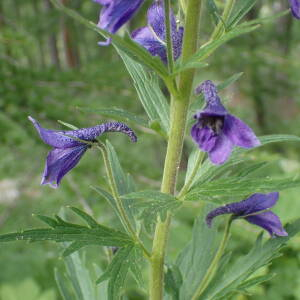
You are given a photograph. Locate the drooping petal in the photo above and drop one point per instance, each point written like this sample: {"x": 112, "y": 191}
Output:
{"x": 221, "y": 151}
{"x": 204, "y": 137}
{"x": 239, "y": 133}
{"x": 63, "y": 139}
{"x": 61, "y": 161}
{"x": 213, "y": 101}
{"x": 268, "y": 221}
{"x": 115, "y": 13}
{"x": 257, "y": 202}
{"x": 295, "y": 8}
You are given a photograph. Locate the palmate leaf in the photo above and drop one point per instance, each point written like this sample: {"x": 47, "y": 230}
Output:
{"x": 236, "y": 276}
{"x": 239, "y": 186}
{"x": 173, "y": 281}
{"x": 127, "y": 258}
{"x": 126, "y": 44}
{"x": 149, "y": 92}
{"x": 151, "y": 204}
{"x": 79, "y": 235}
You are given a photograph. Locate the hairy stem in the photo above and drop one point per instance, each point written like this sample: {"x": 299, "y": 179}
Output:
{"x": 214, "y": 264}
{"x": 226, "y": 14}
{"x": 114, "y": 190}
{"x": 180, "y": 104}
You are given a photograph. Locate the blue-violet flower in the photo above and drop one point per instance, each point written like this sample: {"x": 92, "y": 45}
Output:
{"x": 216, "y": 130}
{"x": 255, "y": 210}
{"x": 115, "y": 13}
{"x": 295, "y": 8}
{"x": 153, "y": 36}
{"x": 68, "y": 151}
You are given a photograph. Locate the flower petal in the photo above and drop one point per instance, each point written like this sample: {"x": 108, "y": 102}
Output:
{"x": 268, "y": 221}
{"x": 147, "y": 39}
{"x": 258, "y": 202}
{"x": 295, "y": 8}
{"x": 239, "y": 133}
{"x": 204, "y": 137}
{"x": 221, "y": 151}
{"x": 62, "y": 139}
{"x": 116, "y": 13}
{"x": 61, "y": 161}
{"x": 213, "y": 101}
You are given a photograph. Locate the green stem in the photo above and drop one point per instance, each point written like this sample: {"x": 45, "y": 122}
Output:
{"x": 186, "y": 187}
{"x": 169, "y": 36}
{"x": 226, "y": 14}
{"x": 180, "y": 104}
{"x": 214, "y": 264}
{"x": 114, "y": 190}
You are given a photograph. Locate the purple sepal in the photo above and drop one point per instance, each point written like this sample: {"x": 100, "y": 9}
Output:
{"x": 115, "y": 13}
{"x": 216, "y": 131}
{"x": 253, "y": 209}
{"x": 68, "y": 151}
{"x": 153, "y": 36}
{"x": 295, "y": 8}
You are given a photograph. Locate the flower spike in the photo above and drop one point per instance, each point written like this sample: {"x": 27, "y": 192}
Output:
{"x": 255, "y": 210}
{"x": 67, "y": 149}
{"x": 217, "y": 131}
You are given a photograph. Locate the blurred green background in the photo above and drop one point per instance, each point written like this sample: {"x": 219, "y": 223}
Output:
{"x": 51, "y": 66}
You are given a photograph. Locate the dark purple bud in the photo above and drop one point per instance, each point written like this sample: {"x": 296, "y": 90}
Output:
{"x": 68, "y": 151}
{"x": 115, "y": 13}
{"x": 253, "y": 209}
{"x": 216, "y": 131}
{"x": 153, "y": 36}
{"x": 295, "y": 8}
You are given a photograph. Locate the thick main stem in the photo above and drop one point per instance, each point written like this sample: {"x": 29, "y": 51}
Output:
{"x": 179, "y": 111}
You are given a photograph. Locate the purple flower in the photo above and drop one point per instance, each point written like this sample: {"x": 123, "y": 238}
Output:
{"x": 217, "y": 131}
{"x": 115, "y": 13}
{"x": 255, "y": 210}
{"x": 153, "y": 36}
{"x": 295, "y": 7}
{"x": 68, "y": 151}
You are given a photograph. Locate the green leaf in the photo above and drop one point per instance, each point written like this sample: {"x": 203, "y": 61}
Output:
{"x": 126, "y": 44}
{"x": 72, "y": 127}
{"x": 209, "y": 171}
{"x": 197, "y": 256}
{"x": 127, "y": 258}
{"x": 117, "y": 114}
{"x": 79, "y": 235}
{"x": 228, "y": 282}
{"x": 124, "y": 182}
{"x": 241, "y": 8}
{"x": 213, "y": 11}
{"x": 149, "y": 92}
{"x": 61, "y": 282}
{"x": 207, "y": 49}
{"x": 151, "y": 204}
{"x": 239, "y": 186}
{"x": 80, "y": 278}
{"x": 173, "y": 281}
